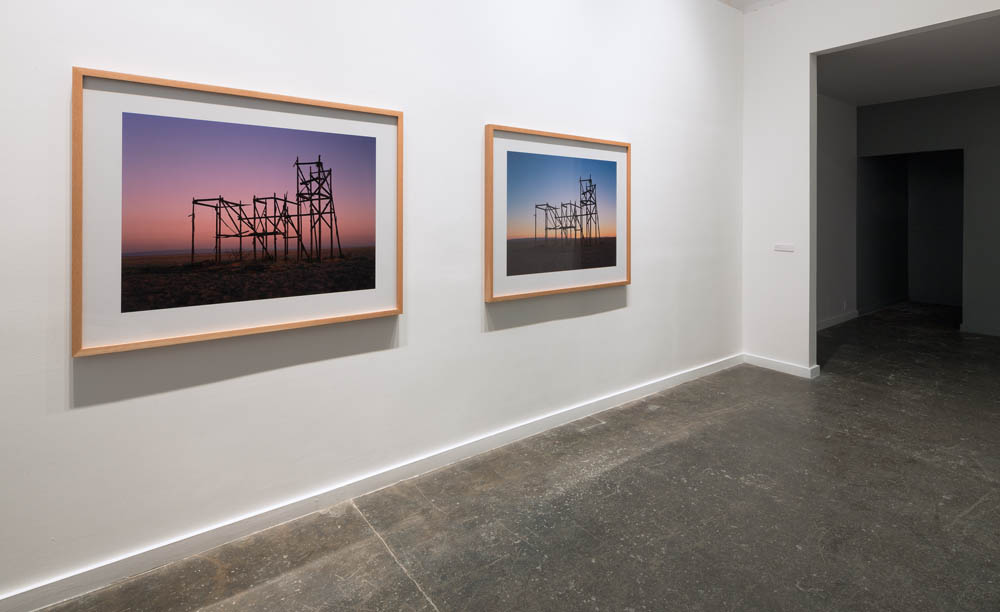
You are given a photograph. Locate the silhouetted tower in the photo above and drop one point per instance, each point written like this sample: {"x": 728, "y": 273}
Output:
{"x": 315, "y": 190}
{"x": 589, "y": 220}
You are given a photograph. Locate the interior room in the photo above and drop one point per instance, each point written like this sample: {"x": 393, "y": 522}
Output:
{"x": 904, "y": 185}
{"x": 565, "y": 305}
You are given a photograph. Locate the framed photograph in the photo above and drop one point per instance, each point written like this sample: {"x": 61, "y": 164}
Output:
{"x": 202, "y": 212}
{"x": 557, "y": 213}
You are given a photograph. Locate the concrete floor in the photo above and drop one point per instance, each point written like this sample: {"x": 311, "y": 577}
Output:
{"x": 874, "y": 487}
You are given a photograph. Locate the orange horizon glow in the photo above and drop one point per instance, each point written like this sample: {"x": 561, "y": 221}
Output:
{"x": 541, "y": 236}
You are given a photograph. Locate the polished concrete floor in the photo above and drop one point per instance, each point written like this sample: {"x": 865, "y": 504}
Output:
{"x": 874, "y": 487}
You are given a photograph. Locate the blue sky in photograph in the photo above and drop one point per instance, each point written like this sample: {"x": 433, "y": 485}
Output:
{"x": 533, "y": 178}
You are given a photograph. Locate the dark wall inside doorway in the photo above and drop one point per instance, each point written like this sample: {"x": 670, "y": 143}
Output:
{"x": 882, "y": 231}
{"x": 909, "y": 229}
{"x": 935, "y": 227}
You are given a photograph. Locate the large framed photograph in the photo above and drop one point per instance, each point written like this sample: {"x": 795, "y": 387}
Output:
{"x": 557, "y": 213}
{"x": 201, "y": 212}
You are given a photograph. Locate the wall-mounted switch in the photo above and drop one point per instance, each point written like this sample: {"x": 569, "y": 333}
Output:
{"x": 784, "y": 248}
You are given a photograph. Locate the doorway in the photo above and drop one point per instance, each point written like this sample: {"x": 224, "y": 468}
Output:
{"x": 906, "y": 150}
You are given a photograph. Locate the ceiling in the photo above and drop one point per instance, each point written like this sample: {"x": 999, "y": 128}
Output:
{"x": 750, "y": 5}
{"x": 952, "y": 58}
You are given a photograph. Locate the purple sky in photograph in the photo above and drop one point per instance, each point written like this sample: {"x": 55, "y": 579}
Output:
{"x": 167, "y": 161}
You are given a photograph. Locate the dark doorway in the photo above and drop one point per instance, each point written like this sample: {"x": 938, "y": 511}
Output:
{"x": 909, "y": 229}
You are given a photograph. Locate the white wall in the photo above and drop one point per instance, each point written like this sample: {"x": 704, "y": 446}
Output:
{"x": 779, "y": 311}
{"x": 104, "y": 455}
{"x": 836, "y": 211}
{"x": 969, "y": 121}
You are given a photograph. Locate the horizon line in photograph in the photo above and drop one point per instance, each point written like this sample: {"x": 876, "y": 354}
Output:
{"x": 542, "y": 238}
{"x": 228, "y": 248}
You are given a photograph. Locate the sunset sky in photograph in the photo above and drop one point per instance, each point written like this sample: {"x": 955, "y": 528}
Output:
{"x": 534, "y": 178}
{"x": 167, "y": 161}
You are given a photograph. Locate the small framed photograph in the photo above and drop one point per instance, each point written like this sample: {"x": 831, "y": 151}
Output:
{"x": 557, "y": 213}
{"x": 201, "y": 212}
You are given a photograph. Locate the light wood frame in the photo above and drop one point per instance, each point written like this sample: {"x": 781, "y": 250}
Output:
{"x": 78, "y": 350}
{"x": 490, "y": 296}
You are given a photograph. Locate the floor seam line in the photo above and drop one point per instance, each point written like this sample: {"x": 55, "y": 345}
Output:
{"x": 965, "y": 512}
{"x": 394, "y": 557}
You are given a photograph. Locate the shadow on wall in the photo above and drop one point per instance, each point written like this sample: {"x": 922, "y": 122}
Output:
{"x": 529, "y": 311}
{"x": 100, "y": 379}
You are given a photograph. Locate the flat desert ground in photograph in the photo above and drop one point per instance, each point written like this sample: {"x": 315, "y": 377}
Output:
{"x": 151, "y": 282}
{"x": 531, "y": 256}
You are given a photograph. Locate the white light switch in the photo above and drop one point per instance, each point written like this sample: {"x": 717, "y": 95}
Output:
{"x": 784, "y": 248}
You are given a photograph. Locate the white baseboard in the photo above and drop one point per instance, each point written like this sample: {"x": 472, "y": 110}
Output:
{"x": 108, "y": 571}
{"x": 836, "y": 320}
{"x": 781, "y": 366}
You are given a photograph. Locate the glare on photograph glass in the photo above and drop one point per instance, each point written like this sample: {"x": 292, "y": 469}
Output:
{"x": 216, "y": 212}
{"x": 560, "y": 213}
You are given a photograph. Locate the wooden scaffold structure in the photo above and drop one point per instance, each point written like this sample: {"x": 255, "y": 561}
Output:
{"x": 271, "y": 219}
{"x": 574, "y": 220}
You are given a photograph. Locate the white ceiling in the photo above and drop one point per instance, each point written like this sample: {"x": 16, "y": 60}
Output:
{"x": 750, "y": 5}
{"x": 943, "y": 60}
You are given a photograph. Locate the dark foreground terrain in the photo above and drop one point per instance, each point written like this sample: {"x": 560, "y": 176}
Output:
{"x": 530, "y": 256}
{"x": 151, "y": 282}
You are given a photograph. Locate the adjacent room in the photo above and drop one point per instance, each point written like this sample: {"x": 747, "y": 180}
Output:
{"x": 513, "y": 306}
{"x": 907, "y": 140}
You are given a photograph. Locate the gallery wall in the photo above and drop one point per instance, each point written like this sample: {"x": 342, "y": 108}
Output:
{"x": 969, "y": 121}
{"x": 107, "y": 455}
{"x": 779, "y": 133}
{"x": 836, "y": 211}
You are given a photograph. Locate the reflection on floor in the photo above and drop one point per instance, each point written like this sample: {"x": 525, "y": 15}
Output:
{"x": 874, "y": 487}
